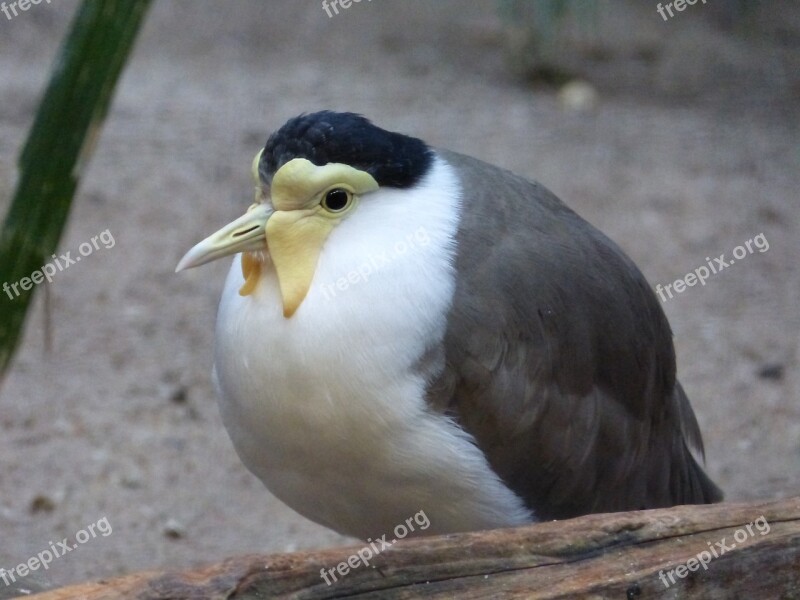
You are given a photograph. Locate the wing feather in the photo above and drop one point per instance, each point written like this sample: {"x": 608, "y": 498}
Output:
{"x": 559, "y": 359}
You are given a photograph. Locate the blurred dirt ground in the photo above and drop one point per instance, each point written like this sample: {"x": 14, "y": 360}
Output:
{"x": 691, "y": 150}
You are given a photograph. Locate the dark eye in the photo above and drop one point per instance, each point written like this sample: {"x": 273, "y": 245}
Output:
{"x": 336, "y": 200}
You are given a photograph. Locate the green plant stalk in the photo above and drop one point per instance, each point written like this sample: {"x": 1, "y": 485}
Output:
{"x": 59, "y": 146}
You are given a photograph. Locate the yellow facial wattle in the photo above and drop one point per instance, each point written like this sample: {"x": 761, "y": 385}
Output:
{"x": 251, "y": 271}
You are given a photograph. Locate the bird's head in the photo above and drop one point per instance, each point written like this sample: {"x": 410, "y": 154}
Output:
{"x": 311, "y": 175}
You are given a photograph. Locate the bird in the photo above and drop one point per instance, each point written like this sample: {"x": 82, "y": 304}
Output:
{"x": 405, "y": 328}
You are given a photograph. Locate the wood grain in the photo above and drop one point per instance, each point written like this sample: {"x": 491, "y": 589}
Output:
{"x": 616, "y": 555}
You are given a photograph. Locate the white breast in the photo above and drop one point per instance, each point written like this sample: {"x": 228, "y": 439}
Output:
{"x": 327, "y": 408}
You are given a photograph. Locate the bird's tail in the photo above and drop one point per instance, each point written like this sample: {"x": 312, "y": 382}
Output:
{"x": 689, "y": 482}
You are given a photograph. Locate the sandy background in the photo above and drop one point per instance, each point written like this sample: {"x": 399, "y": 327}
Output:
{"x": 691, "y": 150}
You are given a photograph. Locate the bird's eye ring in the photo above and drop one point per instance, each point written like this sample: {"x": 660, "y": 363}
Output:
{"x": 336, "y": 200}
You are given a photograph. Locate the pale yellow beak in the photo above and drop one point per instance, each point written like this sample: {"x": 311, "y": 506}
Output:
{"x": 245, "y": 234}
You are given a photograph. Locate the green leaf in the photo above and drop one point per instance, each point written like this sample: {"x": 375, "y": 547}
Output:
{"x": 59, "y": 146}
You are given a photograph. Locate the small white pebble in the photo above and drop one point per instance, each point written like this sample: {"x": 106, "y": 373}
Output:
{"x": 578, "y": 95}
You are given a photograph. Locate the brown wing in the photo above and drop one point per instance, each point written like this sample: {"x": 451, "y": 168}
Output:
{"x": 559, "y": 359}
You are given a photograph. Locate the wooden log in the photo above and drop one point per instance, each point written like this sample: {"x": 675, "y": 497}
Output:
{"x": 720, "y": 551}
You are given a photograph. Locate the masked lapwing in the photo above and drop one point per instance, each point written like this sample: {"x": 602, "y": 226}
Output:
{"x": 408, "y": 329}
